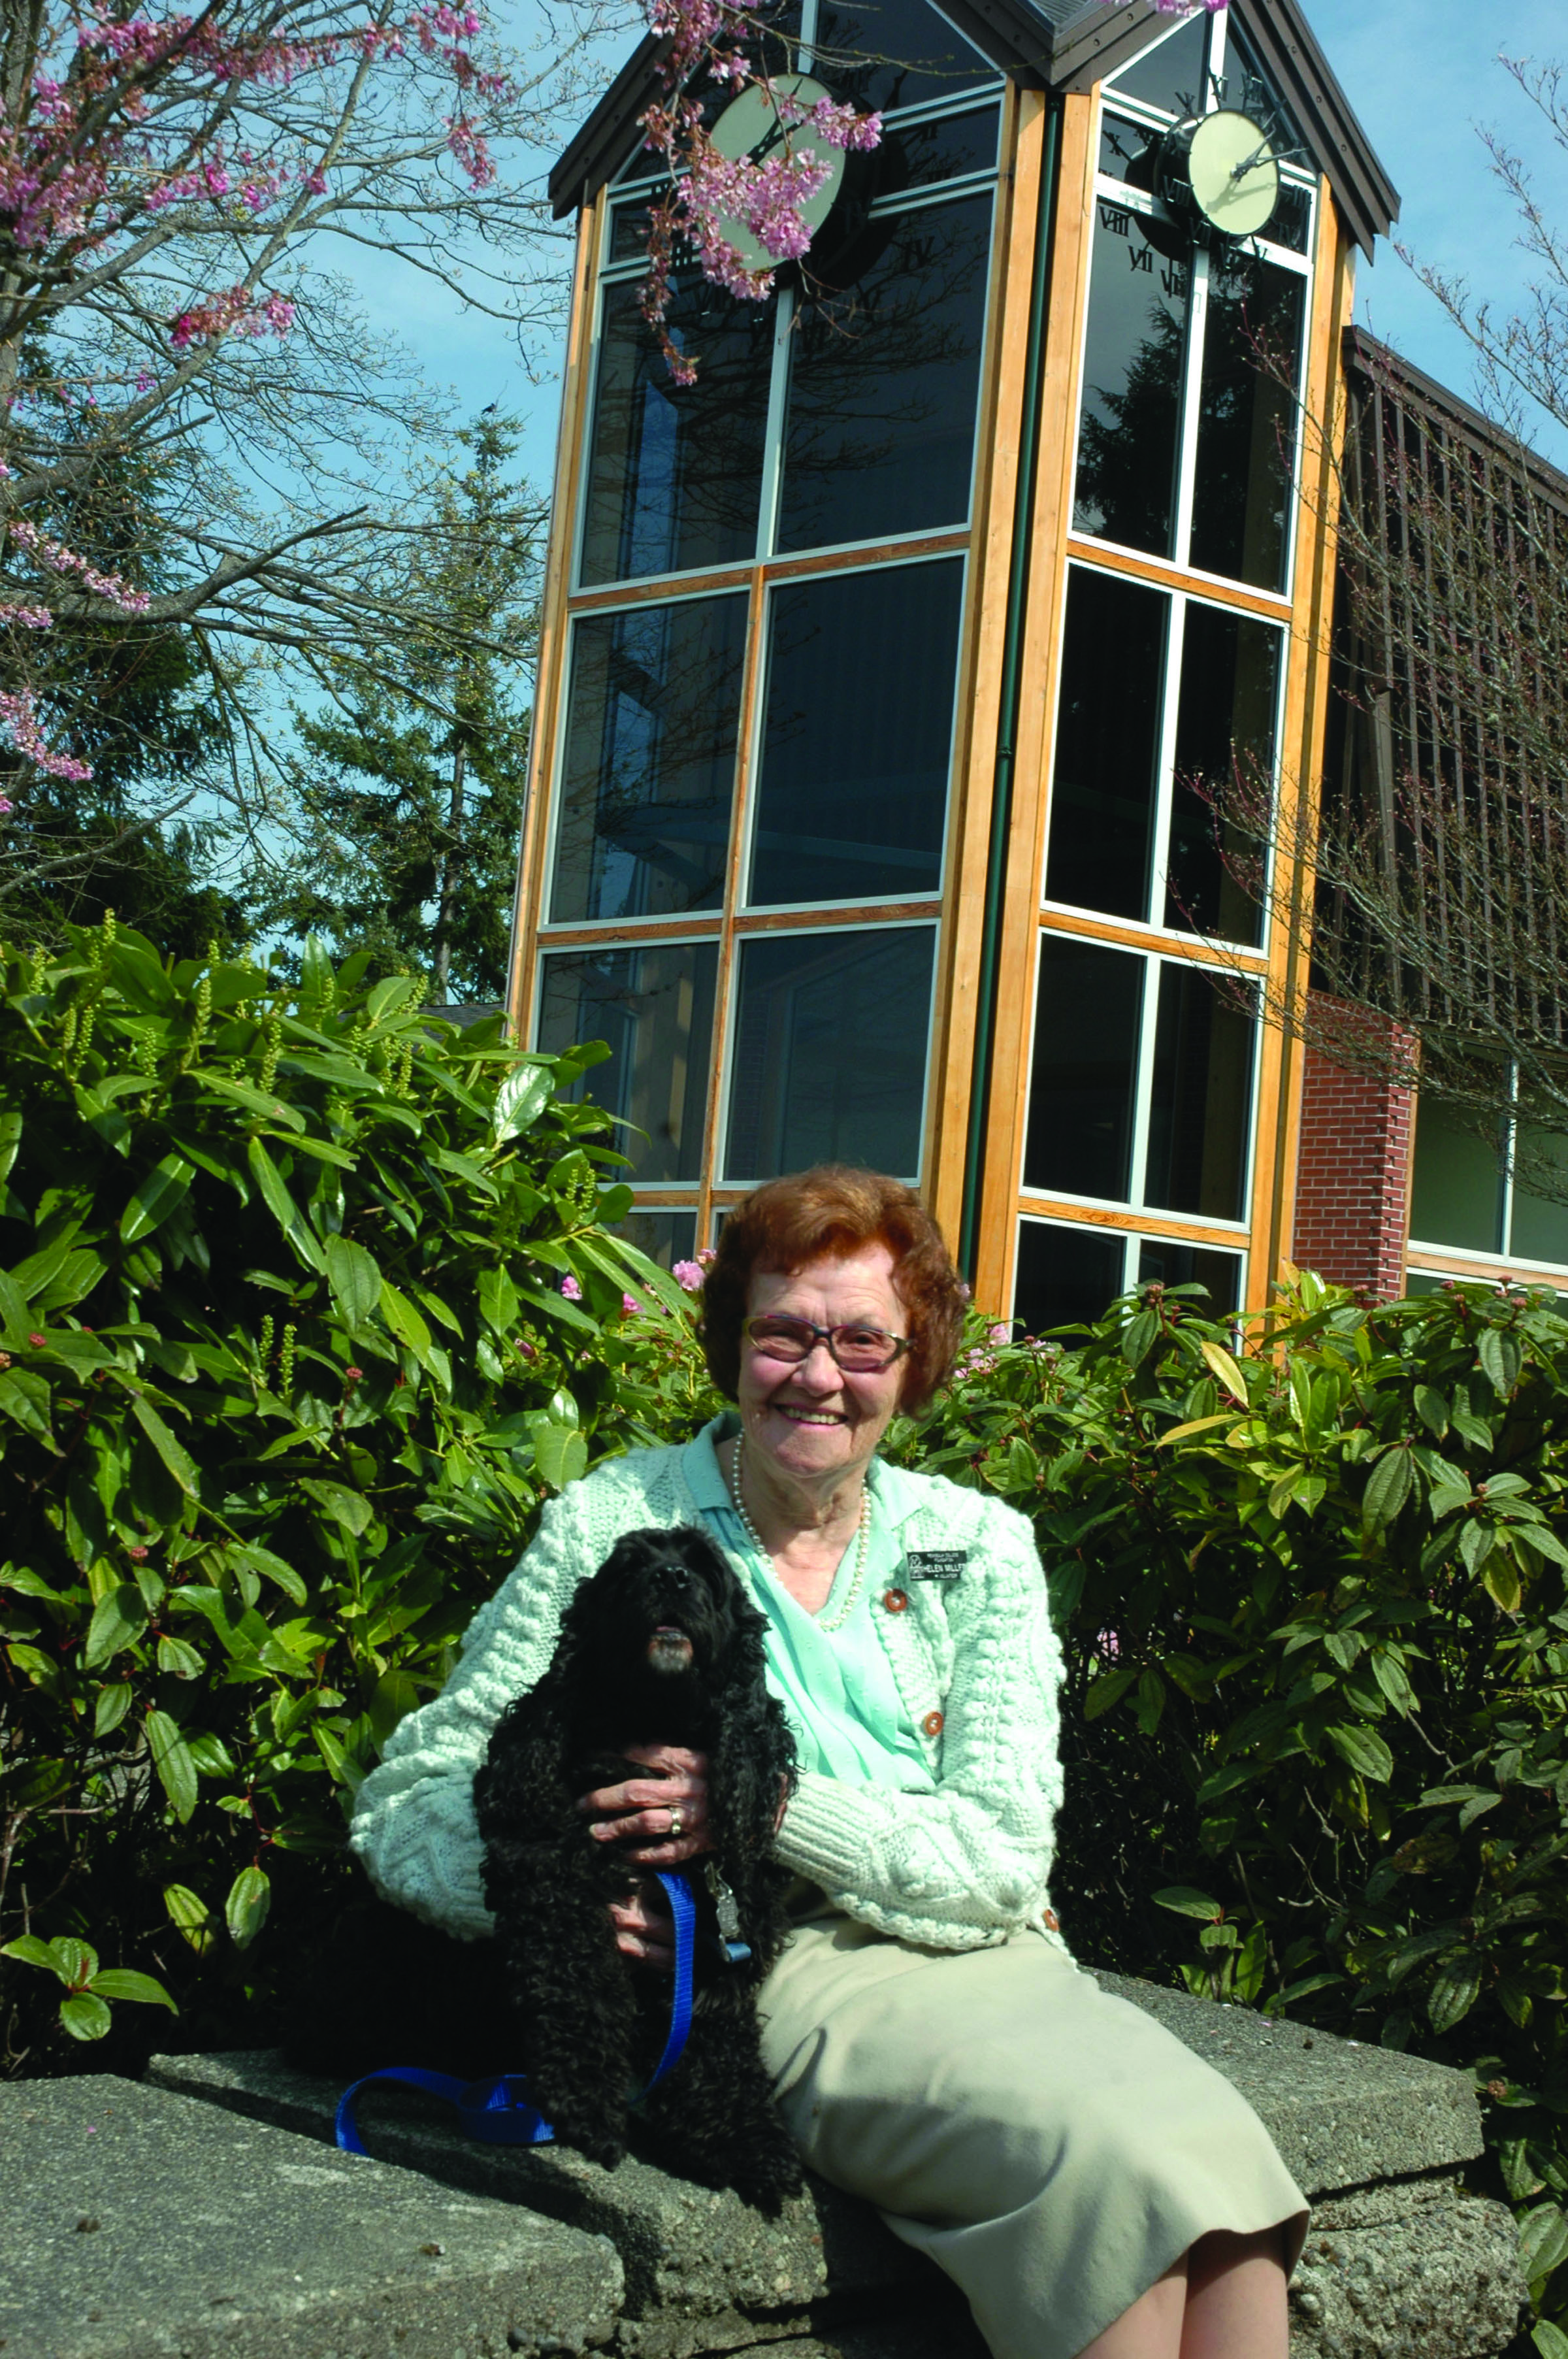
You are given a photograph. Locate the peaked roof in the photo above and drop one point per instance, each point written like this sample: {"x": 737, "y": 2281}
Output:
{"x": 1065, "y": 45}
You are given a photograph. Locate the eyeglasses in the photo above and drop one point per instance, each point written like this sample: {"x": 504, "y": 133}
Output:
{"x": 861, "y": 1351}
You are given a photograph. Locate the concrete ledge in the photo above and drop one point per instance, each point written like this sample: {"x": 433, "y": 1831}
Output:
{"x": 140, "y": 2226}
{"x": 1402, "y": 2262}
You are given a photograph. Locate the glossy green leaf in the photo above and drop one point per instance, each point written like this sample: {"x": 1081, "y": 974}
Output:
{"x": 171, "y": 1759}
{"x": 24, "y": 1397}
{"x": 180, "y": 1660}
{"x": 190, "y": 1913}
{"x": 85, "y": 2016}
{"x": 10, "y": 1141}
{"x": 114, "y": 1703}
{"x": 1387, "y": 1487}
{"x": 1498, "y": 1349}
{"x": 245, "y": 1909}
{"x": 156, "y": 1197}
{"x": 174, "y": 1454}
{"x": 28, "y": 1950}
{"x": 354, "y": 1276}
{"x": 275, "y": 1194}
{"x": 1542, "y": 2241}
{"x": 1187, "y": 1902}
{"x": 118, "y": 1621}
{"x": 1453, "y": 1989}
{"x": 405, "y": 1321}
{"x": 124, "y": 1982}
{"x": 336, "y": 1500}
{"x": 1363, "y": 1749}
{"x": 1109, "y": 1687}
{"x": 522, "y": 1098}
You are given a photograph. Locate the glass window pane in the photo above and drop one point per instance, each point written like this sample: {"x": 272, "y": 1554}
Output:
{"x": 1170, "y": 1263}
{"x": 919, "y": 155}
{"x": 1169, "y": 74}
{"x": 830, "y": 1059}
{"x": 674, "y": 472}
{"x": 1066, "y": 1278}
{"x": 910, "y": 54}
{"x": 1539, "y": 1230}
{"x": 857, "y": 735}
{"x": 1133, "y": 377}
{"x": 1200, "y": 1103}
{"x": 648, "y": 773}
{"x": 665, "y": 1237}
{"x": 1225, "y": 732}
{"x": 1251, "y": 361}
{"x": 654, "y": 1007}
{"x": 884, "y": 379}
{"x": 1456, "y": 1193}
{"x": 1129, "y": 151}
{"x": 1108, "y": 744}
{"x": 1084, "y": 1069}
{"x": 1292, "y": 223}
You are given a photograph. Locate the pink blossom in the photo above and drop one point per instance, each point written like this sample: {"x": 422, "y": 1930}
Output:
{"x": 60, "y": 559}
{"x": 688, "y": 1274}
{"x": 1002, "y": 1331}
{"x": 18, "y": 715}
{"x": 570, "y": 1288}
{"x": 6, "y": 806}
{"x": 631, "y": 1307}
{"x": 28, "y": 618}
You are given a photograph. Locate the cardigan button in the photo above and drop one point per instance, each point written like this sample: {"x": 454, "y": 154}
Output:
{"x": 932, "y": 1724}
{"x": 1050, "y": 1920}
{"x": 896, "y": 1601}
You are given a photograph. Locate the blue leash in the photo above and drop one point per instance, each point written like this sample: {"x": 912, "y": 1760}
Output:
{"x": 498, "y": 2111}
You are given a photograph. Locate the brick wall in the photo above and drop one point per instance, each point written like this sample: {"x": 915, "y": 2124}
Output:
{"x": 1354, "y": 1159}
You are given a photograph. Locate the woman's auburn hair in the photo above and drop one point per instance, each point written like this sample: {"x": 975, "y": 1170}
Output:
{"x": 833, "y": 1211}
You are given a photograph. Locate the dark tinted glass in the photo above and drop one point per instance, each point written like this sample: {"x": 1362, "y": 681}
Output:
{"x": 1108, "y": 743}
{"x": 1247, "y": 418}
{"x": 890, "y": 53}
{"x": 1163, "y": 1259}
{"x": 1292, "y": 223}
{"x": 1084, "y": 1067}
{"x": 883, "y": 380}
{"x": 857, "y": 735}
{"x": 1171, "y": 74}
{"x": 1225, "y": 736}
{"x": 1066, "y": 1278}
{"x": 674, "y": 472}
{"x": 1129, "y": 151}
{"x": 830, "y": 1063}
{"x": 1202, "y": 1094}
{"x": 1247, "y": 84}
{"x": 1457, "y": 1192}
{"x": 918, "y": 155}
{"x": 648, "y": 773}
{"x": 1539, "y": 1230}
{"x": 1133, "y": 377}
{"x": 665, "y": 1237}
{"x": 655, "y": 1008}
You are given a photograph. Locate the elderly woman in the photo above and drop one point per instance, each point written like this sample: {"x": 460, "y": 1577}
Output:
{"x": 1093, "y": 2187}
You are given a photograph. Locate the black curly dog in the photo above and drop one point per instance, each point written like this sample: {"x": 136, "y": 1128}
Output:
{"x": 659, "y": 1646}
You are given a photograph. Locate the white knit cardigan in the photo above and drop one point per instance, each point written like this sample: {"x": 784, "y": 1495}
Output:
{"x": 977, "y": 1664}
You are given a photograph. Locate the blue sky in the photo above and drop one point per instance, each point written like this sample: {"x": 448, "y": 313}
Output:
{"x": 1420, "y": 73}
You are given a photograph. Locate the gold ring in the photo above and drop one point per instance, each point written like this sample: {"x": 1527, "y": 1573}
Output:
{"x": 675, "y": 1822}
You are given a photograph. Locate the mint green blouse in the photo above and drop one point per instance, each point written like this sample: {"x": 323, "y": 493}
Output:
{"x": 837, "y": 1687}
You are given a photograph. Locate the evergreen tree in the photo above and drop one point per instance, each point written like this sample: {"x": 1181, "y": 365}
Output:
{"x": 413, "y": 800}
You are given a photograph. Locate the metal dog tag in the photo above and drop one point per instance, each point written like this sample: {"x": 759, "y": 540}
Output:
{"x": 724, "y": 1901}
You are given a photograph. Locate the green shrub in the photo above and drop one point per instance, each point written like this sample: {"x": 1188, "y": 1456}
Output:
{"x": 1315, "y": 1603}
{"x": 305, "y": 1305}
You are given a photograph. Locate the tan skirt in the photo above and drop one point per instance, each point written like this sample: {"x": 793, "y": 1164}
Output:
{"x": 1052, "y": 2147}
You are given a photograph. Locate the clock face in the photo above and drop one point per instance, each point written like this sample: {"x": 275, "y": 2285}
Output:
{"x": 749, "y": 127}
{"x": 1233, "y": 172}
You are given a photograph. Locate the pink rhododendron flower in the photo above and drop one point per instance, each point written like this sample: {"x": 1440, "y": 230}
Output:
{"x": 688, "y": 1274}
{"x": 570, "y": 1288}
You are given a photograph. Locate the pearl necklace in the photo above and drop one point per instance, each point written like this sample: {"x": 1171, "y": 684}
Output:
{"x": 861, "y": 1537}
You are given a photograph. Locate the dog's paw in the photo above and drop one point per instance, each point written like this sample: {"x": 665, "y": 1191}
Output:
{"x": 608, "y": 2153}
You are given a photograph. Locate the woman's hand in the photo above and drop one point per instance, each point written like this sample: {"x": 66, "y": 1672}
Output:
{"x": 644, "y": 1929}
{"x": 662, "y": 1819}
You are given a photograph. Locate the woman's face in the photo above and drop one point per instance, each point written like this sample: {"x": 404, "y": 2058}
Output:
{"x": 815, "y": 1418}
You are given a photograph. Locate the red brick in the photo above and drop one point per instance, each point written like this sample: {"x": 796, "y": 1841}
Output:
{"x": 1353, "y": 1163}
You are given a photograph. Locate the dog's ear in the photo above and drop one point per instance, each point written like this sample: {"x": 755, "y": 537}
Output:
{"x": 754, "y": 1771}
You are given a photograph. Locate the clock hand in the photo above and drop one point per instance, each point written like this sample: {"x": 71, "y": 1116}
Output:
{"x": 1239, "y": 171}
